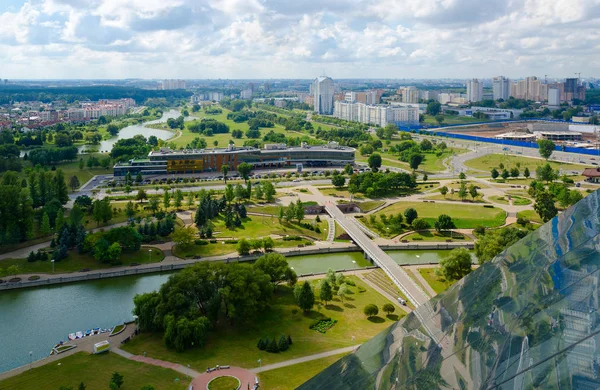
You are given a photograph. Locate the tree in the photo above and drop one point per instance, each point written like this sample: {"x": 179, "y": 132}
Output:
{"x": 112, "y": 129}
{"x": 225, "y": 171}
{"x": 184, "y": 236}
{"x": 299, "y": 211}
{"x": 444, "y": 191}
{"x": 374, "y": 162}
{"x": 444, "y": 222}
{"x": 546, "y": 147}
{"x": 60, "y": 187}
{"x": 129, "y": 210}
{"x": 433, "y": 108}
{"x": 544, "y": 205}
{"x": 388, "y": 308}
{"x": 338, "y": 180}
{"x": 410, "y": 214}
{"x": 462, "y": 192}
{"x": 154, "y": 204}
{"x": 514, "y": 172}
{"x": 426, "y": 145}
{"x": 348, "y": 169}
{"x": 117, "y": 379}
{"x": 243, "y": 247}
{"x": 526, "y": 173}
{"x": 280, "y": 214}
{"x": 177, "y": 199}
{"x": 495, "y": 173}
{"x": 102, "y": 212}
{"x": 439, "y": 119}
{"x": 371, "y": 310}
{"x": 141, "y": 195}
{"x": 75, "y": 216}
{"x": 545, "y": 173}
{"x": 244, "y": 170}
{"x": 45, "y": 225}
{"x": 81, "y": 386}
{"x": 326, "y": 293}
{"x": 456, "y": 265}
{"x": 415, "y": 160}
{"x": 268, "y": 244}
{"x": 166, "y": 200}
{"x": 505, "y": 174}
{"x": 276, "y": 266}
{"x": 473, "y": 191}
{"x": 343, "y": 290}
{"x": 74, "y": 183}
{"x": 269, "y": 190}
{"x": 462, "y": 176}
{"x": 306, "y": 297}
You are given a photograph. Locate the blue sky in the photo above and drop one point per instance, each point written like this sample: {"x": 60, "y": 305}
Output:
{"x": 298, "y": 39}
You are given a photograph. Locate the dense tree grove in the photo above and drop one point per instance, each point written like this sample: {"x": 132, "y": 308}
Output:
{"x": 126, "y": 149}
{"x": 50, "y": 156}
{"x": 208, "y": 127}
{"x": 377, "y": 183}
{"x": 456, "y": 265}
{"x": 191, "y": 302}
{"x": 16, "y": 210}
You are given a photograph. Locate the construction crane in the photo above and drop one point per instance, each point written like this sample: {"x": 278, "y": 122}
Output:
{"x": 578, "y": 75}
{"x": 545, "y": 79}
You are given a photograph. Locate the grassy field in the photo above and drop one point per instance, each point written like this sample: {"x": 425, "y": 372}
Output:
{"x": 75, "y": 262}
{"x": 438, "y": 284}
{"x": 530, "y": 215}
{"x": 289, "y": 378}
{"x": 454, "y": 198}
{"x": 487, "y": 162}
{"x": 119, "y": 216}
{"x": 435, "y": 236}
{"x": 499, "y": 199}
{"x": 237, "y": 345}
{"x": 367, "y": 206}
{"x": 261, "y": 226}
{"x": 95, "y": 372}
{"x": 341, "y": 192}
{"x": 431, "y": 164}
{"x": 464, "y": 216}
{"x": 452, "y": 120}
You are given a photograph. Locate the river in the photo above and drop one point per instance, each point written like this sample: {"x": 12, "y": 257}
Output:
{"x": 105, "y": 146}
{"x": 35, "y": 319}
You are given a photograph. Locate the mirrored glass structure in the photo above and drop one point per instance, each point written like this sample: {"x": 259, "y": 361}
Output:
{"x": 528, "y": 319}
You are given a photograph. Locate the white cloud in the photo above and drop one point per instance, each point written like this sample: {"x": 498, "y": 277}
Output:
{"x": 301, "y": 38}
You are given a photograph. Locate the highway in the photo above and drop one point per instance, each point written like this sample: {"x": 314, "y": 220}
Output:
{"x": 412, "y": 291}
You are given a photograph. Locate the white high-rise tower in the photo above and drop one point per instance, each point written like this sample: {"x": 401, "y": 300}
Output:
{"x": 474, "y": 90}
{"x": 323, "y": 91}
{"x": 501, "y": 88}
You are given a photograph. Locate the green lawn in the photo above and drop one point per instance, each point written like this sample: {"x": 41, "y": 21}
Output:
{"x": 369, "y": 205}
{"x": 487, "y": 162}
{"x": 224, "y": 383}
{"x": 95, "y": 372}
{"x": 261, "y": 226}
{"x": 119, "y": 216}
{"x": 438, "y": 284}
{"x": 435, "y": 236}
{"x": 465, "y": 216}
{"x": 499, "y": 199}
{"x": 75, "y": 262}
{"x": 454, "y": 198}
{"x": 452, "y": 120}
{"x": 237, "y": 345}
{"x": 220, "y": 248}
{"x": 341, "y": 192}
{"x": 289, "y": 378}
{"x": 530, "y": 215}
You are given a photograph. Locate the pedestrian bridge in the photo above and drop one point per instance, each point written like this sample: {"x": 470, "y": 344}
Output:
{"x": 409, "y": 287}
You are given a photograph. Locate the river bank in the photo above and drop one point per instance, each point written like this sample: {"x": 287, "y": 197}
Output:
{"x": 173, "y": 263}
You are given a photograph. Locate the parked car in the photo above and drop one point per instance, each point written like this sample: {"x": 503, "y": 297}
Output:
{"x": 402, "y": 301}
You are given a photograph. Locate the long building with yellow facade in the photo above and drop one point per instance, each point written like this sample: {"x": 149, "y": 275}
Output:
{"x": 189, "y": 161}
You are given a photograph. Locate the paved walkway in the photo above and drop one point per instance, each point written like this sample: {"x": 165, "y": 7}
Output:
{"x": 159, "y": 363}
{"x": 304, "y": 359}
{"x": 246, "y": 378}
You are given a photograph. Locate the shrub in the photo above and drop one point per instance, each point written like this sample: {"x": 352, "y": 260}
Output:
{"x": 522, "y": 221}
{"x": 361, "y": 289}
{"x": 292, "y": 238}
{"x": 349, "y": 282}
{"x": 323, "y": 325}
{"x": 201, "y": 242}
{"x": 488, "y": 206}
{"x": 261, "y": 345}
{"x": 283, "y": 344}
{"x": 213, "y": 241}
{"x": 231, "y": 241}
{"x": 479, "y": 230}
{"x": 417, "y": 238}
{"x": 273, "y": 347}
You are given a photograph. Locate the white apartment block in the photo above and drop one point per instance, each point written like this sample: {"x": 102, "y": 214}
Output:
{"x": 474, "y": 90}
{"x": 456, "y": 98}
{"x": 323, "y": 91}
{"x": 501, "y": 87}
{"x": 554, "y": 97}
{"x": 246, "y": 94}
{"x": 376, "y": 114}
{"x": 168, "y": 84}
{"x": 427, "y": 95}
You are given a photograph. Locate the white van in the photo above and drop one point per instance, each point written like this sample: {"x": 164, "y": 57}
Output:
{"x": 402, "y": 301}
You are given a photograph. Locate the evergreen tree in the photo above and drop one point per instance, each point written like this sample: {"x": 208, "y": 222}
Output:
{"x": 178, "y": 199}
{"x": 299, "y": 211}
{"x": 326, "y": 294}
{"x": 306, "y": 298}
{"x": 60, "y": 187}
{"x": 283, "y": 345}
{"x": 166, "y": 200}
{"x": 45, "y": 225}
{"x": 273, "y": 347}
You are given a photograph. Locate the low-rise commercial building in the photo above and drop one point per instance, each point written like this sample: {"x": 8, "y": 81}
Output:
{"x": 592, "y": 175}
{"x": 166, "y": 161}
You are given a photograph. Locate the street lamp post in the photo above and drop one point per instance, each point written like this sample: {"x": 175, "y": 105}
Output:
{"x": 52, "y": 266}
{"x": 149, "y": 255}
{"x": 30, "y": 359}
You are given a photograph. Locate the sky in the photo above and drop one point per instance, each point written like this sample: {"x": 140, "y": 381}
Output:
{"x": 201, "y": 39}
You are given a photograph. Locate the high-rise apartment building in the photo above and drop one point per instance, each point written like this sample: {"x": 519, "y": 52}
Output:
{"x": 323, "y": 91}
{"x": 553, "y": 97}
{"x": 501, "y": 87}
{"x": 529, "y": 88}
{"x": 409, "y": 94}
{"x": 379, "y": 115}
{"x": 474, "y": 90}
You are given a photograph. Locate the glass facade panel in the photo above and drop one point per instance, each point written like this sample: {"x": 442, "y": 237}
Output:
{"x": 528, "y": 319}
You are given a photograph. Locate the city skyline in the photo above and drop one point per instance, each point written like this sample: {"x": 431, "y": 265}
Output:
{"x": 181, "y": 39}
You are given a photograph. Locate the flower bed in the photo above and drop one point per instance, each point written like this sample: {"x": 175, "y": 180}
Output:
{"x": 323, "y": 325}
{"x": 117, "y": 329}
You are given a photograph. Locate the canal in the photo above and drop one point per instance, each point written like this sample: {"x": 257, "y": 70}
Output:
{"x": 35, "y": 319}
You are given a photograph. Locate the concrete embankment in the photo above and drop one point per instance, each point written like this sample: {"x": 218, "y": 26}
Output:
{"x": 173, "y": 263}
